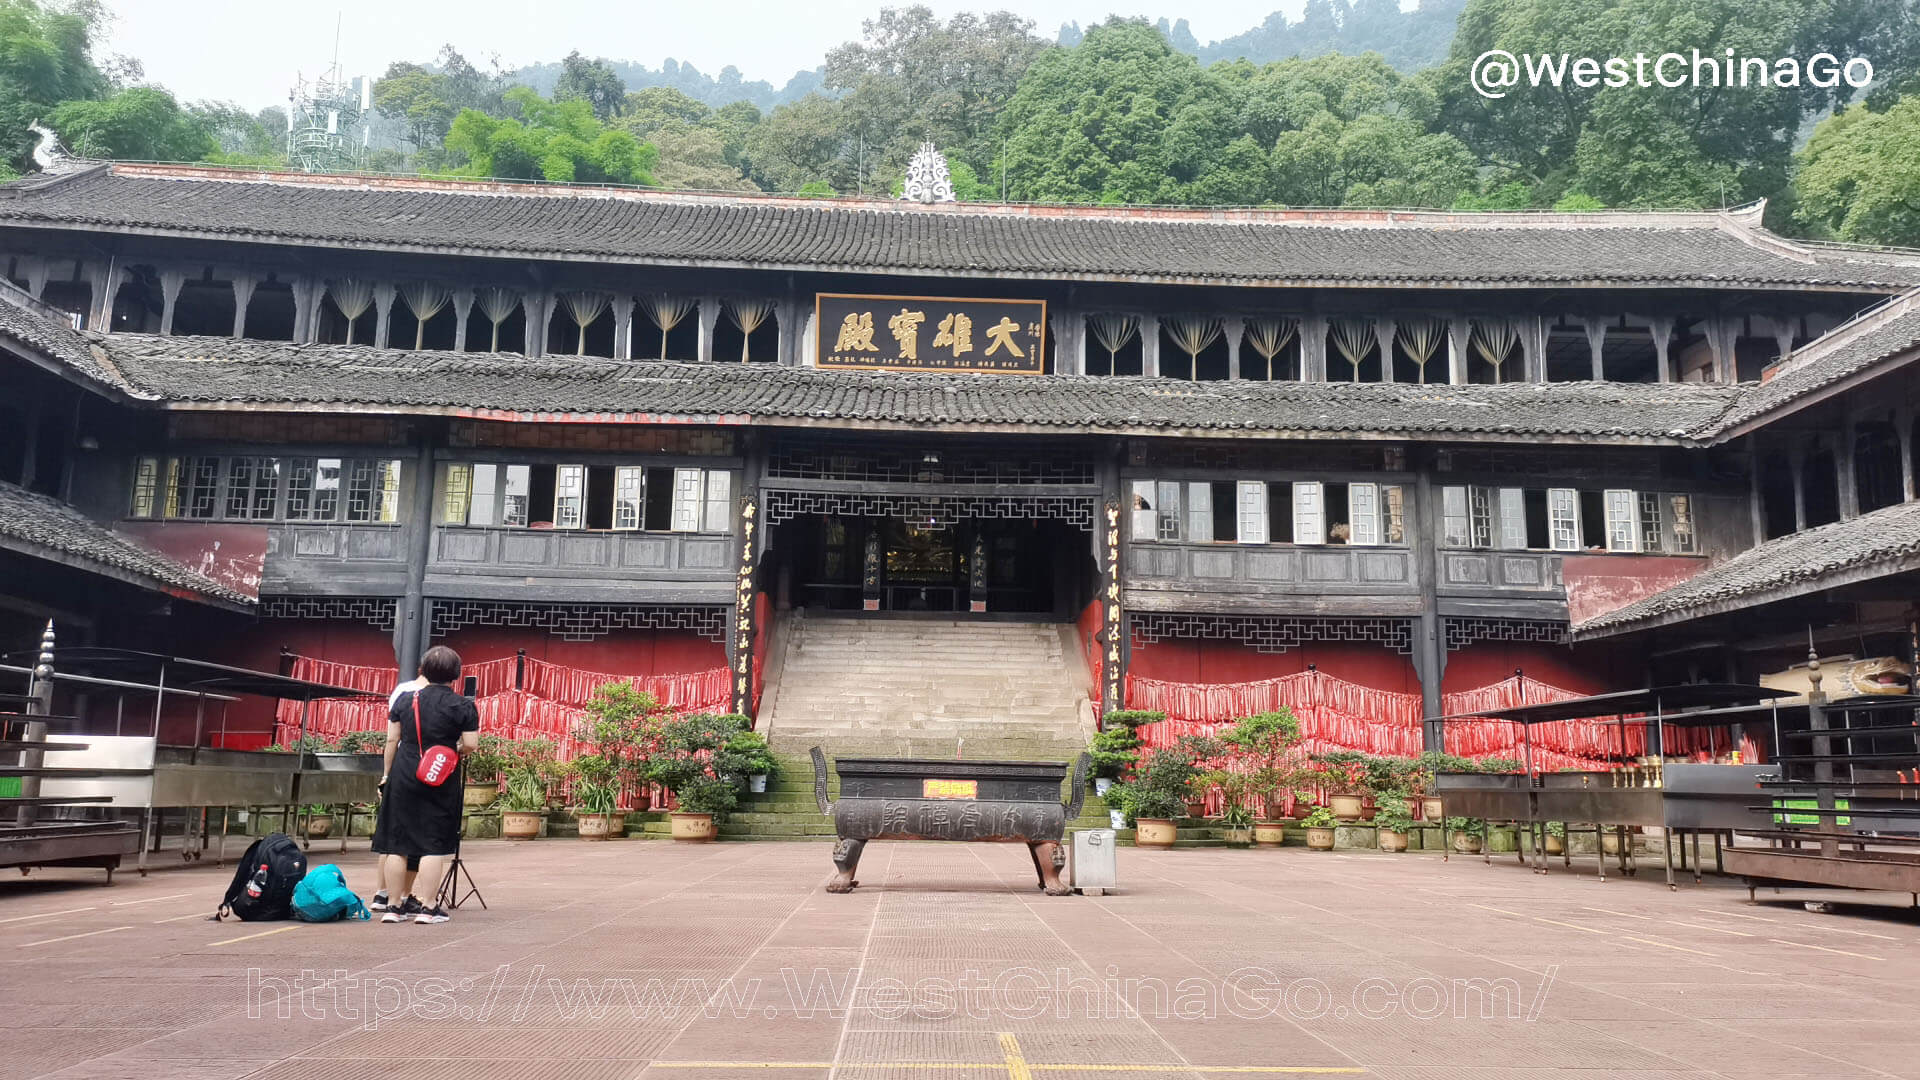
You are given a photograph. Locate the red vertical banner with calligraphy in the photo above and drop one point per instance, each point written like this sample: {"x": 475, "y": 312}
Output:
{"x": 1112, "y": 677}
{"x": 743, "y": 613}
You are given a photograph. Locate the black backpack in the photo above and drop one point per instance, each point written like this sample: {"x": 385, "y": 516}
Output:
{"x": 286, "y": 864}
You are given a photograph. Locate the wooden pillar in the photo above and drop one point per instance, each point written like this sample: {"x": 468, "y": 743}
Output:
{"x": 1533, "y": 347}
{"x": 37, "y": 270}
{"x": 538, "y": 308}
{"x": 303, "y": 304}
{"x": 99, "y": 277}
{"x": 244, "y": 282}
{"x": 709, "y": 315}
{"x": 415, "y": 608}
{"x": 809, "y": 341}
{"x": 1150, "y": 346}
{"x": 1383, "y": 328}
{"x": 1236, "y": 329}
{"x": 1797, "y": 465}
{"x": 1429, "y": 627}
{"x": 1756, "y": 505}
{"x": 1060, "y": 327}
{"x": 1459, "y": 350}
{"x": 1722, "y": 333}
{"x": 1844, "y": 471}
{"x": 171, "y": 282}
{"x": 623, "y": 327}
{"x": 1596, "y": 345}
{"x": 1903, "y": 430}
{"x": 787, "y": 330}
{"x": 1783, "y": 329}
{"x": 1661, "y": 329}
{"x": 462, "y": 315}
{"x": 383, "y": 294}
{"x": 1313, "y": 348}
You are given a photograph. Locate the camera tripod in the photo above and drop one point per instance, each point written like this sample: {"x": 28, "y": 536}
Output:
{"x": 457, "y": 887}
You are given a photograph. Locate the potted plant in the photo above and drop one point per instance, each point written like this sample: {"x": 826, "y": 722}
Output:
{"x": 1115, "y": 751}
{"x": 319, "y": 822}
{"x": 1394, "y": 817}
{"x": 594, "y": 791}
{"x": 1237, "y": 821}
{"x": 1425, "y": 766}
{"x": 481, "y": 770}
{"x": 363, "y": 742}
{"x": 1265, "y": 742}
{"x": 1153, "y": 812}
{"x": 621, "y": 725}
{"x": 530, "y": 768}
{"x": 1319, "y": 826}
{"x": 1346, "y": 784}
{"x": 683, "y": 762}
{"x": 1162, "y": 786}
{"x": 1556, "y": 838}
{"x": 1466, "y": 840}
{"x": 1237, "y": 789}
{"x": 1119, "y": 799}
{"x": 746, "y": 755}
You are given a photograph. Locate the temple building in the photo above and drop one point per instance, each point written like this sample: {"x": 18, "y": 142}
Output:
{"x": 1377, "y": 466}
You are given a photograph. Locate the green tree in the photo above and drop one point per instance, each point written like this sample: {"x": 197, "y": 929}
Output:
{"x": 802, "y": 143}
{"x": 694, "y": 159}
{"x": 45, "y": 59}
{"x": 142, "y": 123}
{"x": 556, "y": 141}
{"x": 647, "y": 111}
{"x": 1859, "y": 176}
{"x": 591, "y": 81}
{"x": 241, "y": 137}
{"x": 418, "y": 98}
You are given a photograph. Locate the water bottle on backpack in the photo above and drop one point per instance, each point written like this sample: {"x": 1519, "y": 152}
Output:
{"x": 257, "y": 884}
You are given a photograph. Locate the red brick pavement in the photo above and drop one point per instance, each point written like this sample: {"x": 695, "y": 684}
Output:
{"x": 620, "y": 961}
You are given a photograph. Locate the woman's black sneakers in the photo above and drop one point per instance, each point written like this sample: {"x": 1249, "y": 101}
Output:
{"x": 379, "y": 901}
{"x": 434, "y": 914}
{"x": 402, "y": 911}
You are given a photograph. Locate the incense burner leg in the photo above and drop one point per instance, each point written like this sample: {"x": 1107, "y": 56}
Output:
{"x": 1048, "y": 858}
{"x": 846, "y": 858}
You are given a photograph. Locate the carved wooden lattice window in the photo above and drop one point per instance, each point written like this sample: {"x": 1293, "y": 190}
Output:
{"x": 1363, "y": 514}
{"x": 718, "y": 513}
{"x": 253, "y": 488}
{"x": 1563, "y": 519}
{"x": 517, "y": 496}
{"x": 570, "y": 496}
{"x": 1251, "y": 500}
{"x": 459, "y": 494}
{"x": 373, "y": 491}
{"x": 313, "y": 489}
{"x": 1623, "y": 520}
{"x": 1309, "y": 513}
{"x": 1455, "y": 529}
{"x": 1513, "y": 519}
{"x": 629, "y": 496}
{"x": 1652, "y": 523}
{"x": 146, "y": 487}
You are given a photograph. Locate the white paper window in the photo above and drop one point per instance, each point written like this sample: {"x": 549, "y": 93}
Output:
{"x": 458, "y": 503}
{"x": 1563, "y": 519}
{"x": 1623, "y": 520}
{"x": 1252, "y": 496}
{"x": 719, "y": 510}
{"x": 629, "y": 494}
{"x": 389, "y": 490}
{"x": 1200, "y": 513}
{"x": 519, "y": 496}
{"x": 1363, "y": 513}
{"x": 1166, "y": 525}
{"x": 486, "y": 493}
{"x": 686, "y": 500}
{"x": 1480, "y": 516}
{"x": 1144, "y": 523}
{"x": 569, "y": 496}
{"x": 1513, "y": 519}
{"x": 1309, "y": 513}
{"x": 1652, "y": 522}
{"x": 1453, "y": 515}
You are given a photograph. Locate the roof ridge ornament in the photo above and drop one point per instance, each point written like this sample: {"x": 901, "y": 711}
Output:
{"x": 928, "y": 180}
{"x": 52, "y": 158}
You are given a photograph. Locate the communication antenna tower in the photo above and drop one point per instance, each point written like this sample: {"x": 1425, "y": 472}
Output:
{"x": 327, "y": 129}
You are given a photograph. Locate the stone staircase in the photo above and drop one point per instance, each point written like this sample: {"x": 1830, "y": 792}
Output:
{"x": 931, "y": 689}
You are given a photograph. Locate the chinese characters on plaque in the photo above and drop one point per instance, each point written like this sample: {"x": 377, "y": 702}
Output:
{"x": 930, "y": 333}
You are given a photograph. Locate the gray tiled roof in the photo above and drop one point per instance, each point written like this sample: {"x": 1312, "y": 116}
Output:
{"x": 1846, "y": 351}
{"x": 41, "y": 526}
{"x": 277, "y": 373}
{"x": 1331, "y": 247}
{"x": 1804, "y": 562}
{"x": 44, "y": 330}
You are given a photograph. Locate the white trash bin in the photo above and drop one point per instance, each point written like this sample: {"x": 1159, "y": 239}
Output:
{"x": 1092, "y": 865}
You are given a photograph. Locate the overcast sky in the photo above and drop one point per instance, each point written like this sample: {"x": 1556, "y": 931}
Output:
{"x": 249, "y": 51}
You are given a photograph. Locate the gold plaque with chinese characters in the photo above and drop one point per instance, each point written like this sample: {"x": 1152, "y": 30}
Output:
{"x": 949, "y": 789}
{"x": 930, "y": 333}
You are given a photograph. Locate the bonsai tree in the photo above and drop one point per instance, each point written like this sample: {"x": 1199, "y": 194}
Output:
{"x": 484, "y": 765}
{"x": 1115, "y": 750}
{"x": 744, "y": 755}
{"x": 595, "y": 784}
{"x": 1165, "y": 778}
{"x": 1266, "y": 742}
{"x": 526, "y": 789}
{"x": 1393, "y": 814}
{"x": 1321, "y": 818}
{"x": 363, "y": 742}
{"x": 620, "y": 724}
{"x": 684, "y": 760}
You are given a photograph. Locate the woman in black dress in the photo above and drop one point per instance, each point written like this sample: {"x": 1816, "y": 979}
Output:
{"x": 421, "y": 820}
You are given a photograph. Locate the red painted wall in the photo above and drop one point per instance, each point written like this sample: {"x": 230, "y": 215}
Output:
{"x": 1583, "y": 669}
{"x": 1224, "y": 662}
{"x": 639, "y": 652}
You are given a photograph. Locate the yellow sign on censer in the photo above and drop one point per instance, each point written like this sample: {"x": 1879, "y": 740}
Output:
{"x": 949, "y": 789}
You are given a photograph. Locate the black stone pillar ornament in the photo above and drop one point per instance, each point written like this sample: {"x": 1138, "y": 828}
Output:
{"x": 1112, "y": 672}
{"x": 870, "y": 573}
{"x": 977, "y": 573}
{"x": 743, "y": 614}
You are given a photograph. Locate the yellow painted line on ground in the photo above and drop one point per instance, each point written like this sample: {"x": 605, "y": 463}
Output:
{"x": 181, "y": 918}
{"x": 46, "y": 914}
{"x": 1823, "y": 948}
{"x": 149, "y": 900}
{"x": 1016, "y": 1061}
{"x": 1666, "y": 945}
{"x": 70, "y": 937}
{"x": 250, "y": 937}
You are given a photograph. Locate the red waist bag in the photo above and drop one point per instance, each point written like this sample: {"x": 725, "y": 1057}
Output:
{"x": 436, "y": 762}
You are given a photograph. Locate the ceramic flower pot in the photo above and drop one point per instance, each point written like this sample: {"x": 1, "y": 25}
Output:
{"x": 1269, "y": 833}
{"x": 595, "y": 826}
{"x": 319, "y": 826}
{"x": 1154, "y": 832}
{"x": 1392, "y": 841}
{"x": 520, "y": 824}
{"x": 693, "y": 828}
{"x": 1239, "y": 835}
{"x": 1345, "y": 807}
{"x": 1430, "y": 809}
{"x": 617, "y": 823}
{"x": 1117, "y": 819}
{"x": 1320, "y": 839}
{"x": 479, "y": 796}
{"x": 1556, "y": 845}
{"x": 1466, "y": 843}
{"x": 1610, "y": 842}
{"x": 1102, "y": 785}
{"x": 757, "y": 783}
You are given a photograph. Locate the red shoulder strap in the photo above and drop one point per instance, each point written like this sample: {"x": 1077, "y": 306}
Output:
{"x": 418, "y": 736}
